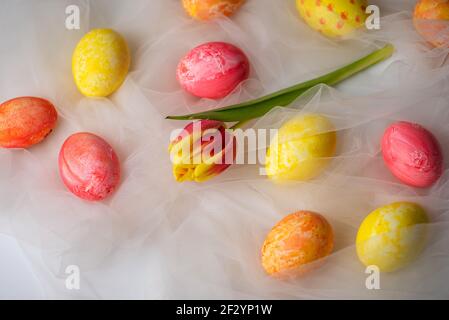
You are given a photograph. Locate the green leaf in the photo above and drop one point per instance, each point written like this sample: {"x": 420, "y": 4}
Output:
{"x": 258, "y": 107}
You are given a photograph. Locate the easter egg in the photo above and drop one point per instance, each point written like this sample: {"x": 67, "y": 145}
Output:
{"x": 25, "y": 121}
{"x": 392, "y": 236}
{"x": 431, "y": 20}
{"x": 210, "y": 9}
{"x": 298, "y": 239}
{"x": 88, "y": 166}
{"x": 213, "y": 70}
{"x": 301, "y": 148}
{"x": 333, "y": 18}
{"x": 412, "y": 154}
{"x": 100, "y": 63}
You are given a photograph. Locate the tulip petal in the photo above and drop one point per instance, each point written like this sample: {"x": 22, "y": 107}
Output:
{"x": 200, "y": 151}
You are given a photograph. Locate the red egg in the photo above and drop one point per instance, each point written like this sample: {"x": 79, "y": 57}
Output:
{"x": 412, "y": 154}
{"x": 25, "y": 121}
{"x": 213, "y": 70}
{"x": 88, "y": 166}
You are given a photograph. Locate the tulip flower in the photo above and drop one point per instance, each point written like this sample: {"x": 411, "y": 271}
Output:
{"x": 203, "y": 150}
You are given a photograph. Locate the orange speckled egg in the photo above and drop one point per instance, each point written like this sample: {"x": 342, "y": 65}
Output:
{"x": 431, "y": 20}
{"x": 210, "y": 9}
{"x": 25, "y": 121}
{"x": 298, "y": 239}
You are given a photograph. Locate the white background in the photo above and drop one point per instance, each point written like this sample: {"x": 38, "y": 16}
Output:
{"x": 158, "y": 239}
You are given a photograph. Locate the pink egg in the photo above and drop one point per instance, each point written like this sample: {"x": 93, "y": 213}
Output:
{"x": 213, "y": 70}
{"x": 88, "y": 166}
{"x": 412, "y": 154}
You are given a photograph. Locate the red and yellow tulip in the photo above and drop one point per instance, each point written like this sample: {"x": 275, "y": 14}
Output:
{"x": 203, "y": 150}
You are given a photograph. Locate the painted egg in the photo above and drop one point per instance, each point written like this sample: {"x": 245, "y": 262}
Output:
{"x": 392, "y": 236}
{"x": 431, "y": 20}
{"x": 333, "y": 18}
{"x": 412, "y": 154}
{"x": 298, "y": 239}
{"x": 210, "y": 9}
{"x": 25, "y": 121}
{"x": 213, "y": 70}
{"x": 100, "y": 62}
{"x": 301, "y": 149}
{"x": 88, "y": 166}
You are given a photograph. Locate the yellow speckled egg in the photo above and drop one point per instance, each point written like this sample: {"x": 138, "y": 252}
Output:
{"x": 100, "y": 62}
{"x": 298, "y": 239}
{"x": 390, "y": 237}
{"x": 333, "y": 18}
{"x": 301, "y": 149}
{"x": 210, "y": 9}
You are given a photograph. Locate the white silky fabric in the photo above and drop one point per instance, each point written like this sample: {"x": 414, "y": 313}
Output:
{"x": 157, "y": 239}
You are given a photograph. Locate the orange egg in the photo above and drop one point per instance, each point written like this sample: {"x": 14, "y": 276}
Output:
{"x": 25, "y": 121}
{"x": 298, "y": 239}
{"x": 431, "y": 20}
{"x": 210, "y": 9}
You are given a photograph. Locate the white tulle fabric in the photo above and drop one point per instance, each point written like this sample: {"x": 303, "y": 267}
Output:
{"x": 155, "y": 238}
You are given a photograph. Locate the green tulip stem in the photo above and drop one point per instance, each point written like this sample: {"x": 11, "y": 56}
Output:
{"x": 258, "y": 107}
{"x": 240, "y": 124}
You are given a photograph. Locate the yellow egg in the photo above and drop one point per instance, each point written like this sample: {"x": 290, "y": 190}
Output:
{"x": 301, "y": 149}
{"x": 333, "y": 18}
{"x": 390, "y": 237}
{"x": 100, "y": 62}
